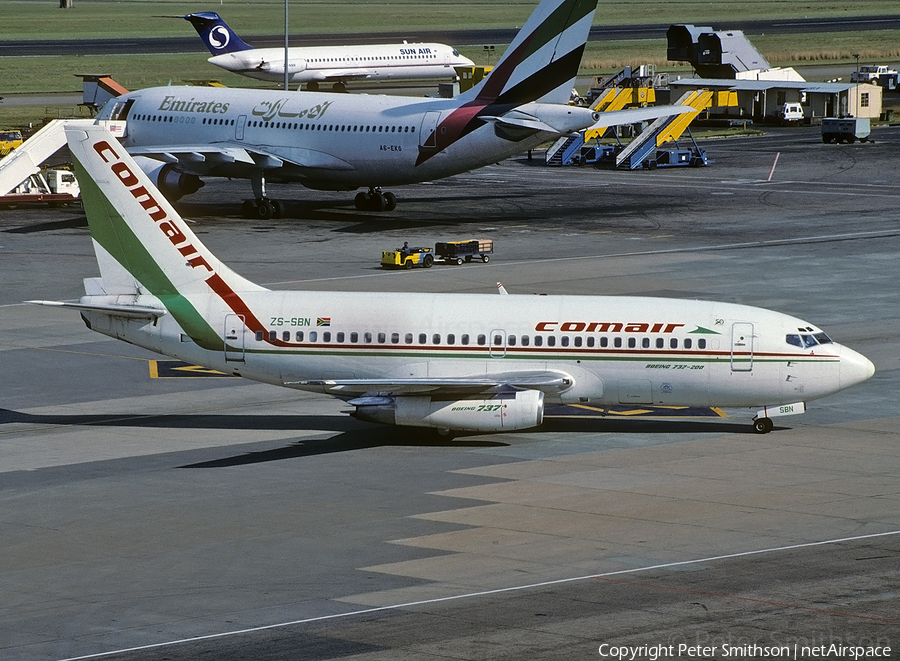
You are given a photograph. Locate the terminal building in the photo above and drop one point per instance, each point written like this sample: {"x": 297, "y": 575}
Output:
{"x": 726, "y": 61}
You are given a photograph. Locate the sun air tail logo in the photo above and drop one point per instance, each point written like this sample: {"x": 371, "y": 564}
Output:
{"x": 156, "y": 213}
{"x": 219, "y": 37}
{"x": 604, "y": 327}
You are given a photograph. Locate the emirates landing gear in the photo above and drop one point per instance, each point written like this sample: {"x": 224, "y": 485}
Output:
{"x": 375, "y": 200}
{"x": 263, "y": 209}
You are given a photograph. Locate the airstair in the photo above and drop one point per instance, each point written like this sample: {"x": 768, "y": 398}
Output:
{"x": 26, "y": 160}
{"x": 564, "y": 149}
{"x": 662, "y": 130}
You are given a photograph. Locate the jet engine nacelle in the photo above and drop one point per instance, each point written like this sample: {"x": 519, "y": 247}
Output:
{"x": 507, "y": 412}
{"x": 172, "y": 183}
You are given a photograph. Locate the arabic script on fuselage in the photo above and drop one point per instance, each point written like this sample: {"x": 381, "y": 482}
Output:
{"x": 265, "y": 110}
{"x": 269, "y": 110}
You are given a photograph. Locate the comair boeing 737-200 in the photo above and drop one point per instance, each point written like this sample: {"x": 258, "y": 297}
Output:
{"x": 452, "y": 362}
{"x": 315, "y": 65}
{"x": 343, "y": 142}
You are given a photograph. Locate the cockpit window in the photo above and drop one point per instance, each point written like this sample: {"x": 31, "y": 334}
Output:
{"x": 804, "y": 340}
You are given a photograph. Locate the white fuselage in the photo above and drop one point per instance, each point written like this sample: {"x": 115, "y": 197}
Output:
{"x": 342, "y": 63}
{"x": 323, "y": 140}
{"x": 612, "y": 349}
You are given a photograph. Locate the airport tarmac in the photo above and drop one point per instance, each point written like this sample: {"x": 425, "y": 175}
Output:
{"x": 149, "y": 516}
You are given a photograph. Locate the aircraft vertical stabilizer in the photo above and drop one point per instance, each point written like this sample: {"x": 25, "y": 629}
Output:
{"x": 542, "y": 61}
{"x": 143, "y": 245}
{"x": 218, "y": 37}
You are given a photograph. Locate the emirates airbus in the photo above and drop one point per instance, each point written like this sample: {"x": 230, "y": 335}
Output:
{"x": 314, "y": 65}
{"x": 341, "y": 142}
{"x": 450, "y": 362}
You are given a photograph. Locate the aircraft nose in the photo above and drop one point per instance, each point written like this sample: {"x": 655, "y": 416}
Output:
{"x": 855, "y": 368}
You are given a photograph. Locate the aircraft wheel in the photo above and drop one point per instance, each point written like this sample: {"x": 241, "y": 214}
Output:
{"x": 390, "y": 201}
{"x": 312, "y": 86}
{"x": 278, "y": 208}
{"x": 247, "y": 208}
{"x": 339, "y": 87}
{"x": 378, "y": 202}
{"x": 763, "y": 425}
{"x": 264, "y": 209}
{"x": 361, "y": 200}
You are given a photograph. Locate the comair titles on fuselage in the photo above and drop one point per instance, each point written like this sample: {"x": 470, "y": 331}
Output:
{"x": 608, "y": 327}
{"x": 265, "y": 110}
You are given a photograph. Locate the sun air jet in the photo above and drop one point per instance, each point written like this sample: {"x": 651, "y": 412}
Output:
{"x": 340, "y": 142}
{"x": 316, "y": 65}
{"x": 451, "y": 362}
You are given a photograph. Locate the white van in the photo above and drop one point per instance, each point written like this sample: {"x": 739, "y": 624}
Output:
{"x": 791, "y": 112}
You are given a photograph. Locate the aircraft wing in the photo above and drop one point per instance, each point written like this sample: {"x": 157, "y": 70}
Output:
{"x": 547, "y": 381}
{"x": 344, "y": 74}
{"x": 203, "y": 157}
{"x": 617, "y": 117}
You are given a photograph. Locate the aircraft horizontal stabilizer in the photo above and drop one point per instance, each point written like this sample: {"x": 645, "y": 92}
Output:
{"x": 617, "y": 117}
{"x": 132, "y": 311}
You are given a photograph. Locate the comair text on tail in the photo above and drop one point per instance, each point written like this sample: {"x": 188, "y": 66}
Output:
{"x": 439, "y": 361}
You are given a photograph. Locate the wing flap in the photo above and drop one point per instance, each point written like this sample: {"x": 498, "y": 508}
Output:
{"x": 211, "y": 155}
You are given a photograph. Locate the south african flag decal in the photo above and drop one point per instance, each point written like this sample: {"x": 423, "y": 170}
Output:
{"x": 323, "y": 321}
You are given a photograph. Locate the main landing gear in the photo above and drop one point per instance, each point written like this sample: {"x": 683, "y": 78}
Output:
{"x": 263, "y": 208}
{"x": 375, "y": 200}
